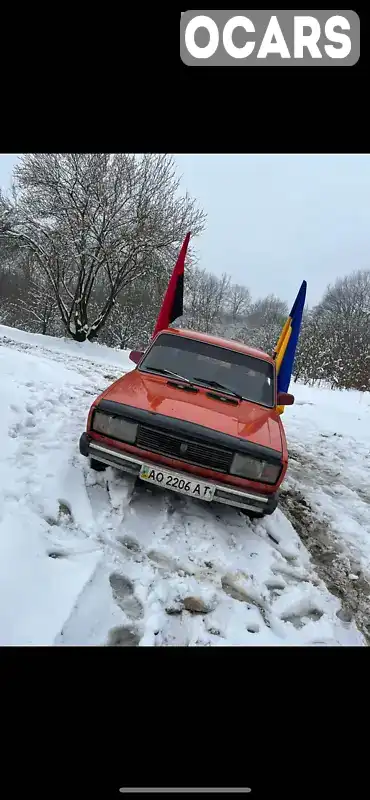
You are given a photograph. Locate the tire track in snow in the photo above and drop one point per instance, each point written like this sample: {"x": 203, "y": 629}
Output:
{"x": 83, "y": 364}
{"x": 166, "y": 554}
{"x": 336, "y": 494}
{"x": 341, "y": 574}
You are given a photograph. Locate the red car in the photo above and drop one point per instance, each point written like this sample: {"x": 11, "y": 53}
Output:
{"x": 198, "y": 415}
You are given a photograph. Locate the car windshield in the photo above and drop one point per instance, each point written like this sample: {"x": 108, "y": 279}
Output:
{"x": 251, "y": 378}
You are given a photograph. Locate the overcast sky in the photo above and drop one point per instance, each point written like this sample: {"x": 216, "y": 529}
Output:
{"x": 276, "y": 219}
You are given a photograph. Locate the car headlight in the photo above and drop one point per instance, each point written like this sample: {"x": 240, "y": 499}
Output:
{"x": 254, "y": 469}
{"x": 115, "y": 427}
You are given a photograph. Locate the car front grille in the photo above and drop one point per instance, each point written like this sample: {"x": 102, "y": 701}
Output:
{"x": 197, "y": 453}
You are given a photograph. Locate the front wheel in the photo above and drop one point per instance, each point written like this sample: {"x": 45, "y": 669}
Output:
{"x": 267, "y": 509}
{"x": 98, "y": 466}
{"x": 253, "y": 514}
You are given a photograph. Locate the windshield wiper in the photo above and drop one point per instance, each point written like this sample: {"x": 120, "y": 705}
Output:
{"x": 217, "y": 385}
{"x": 163, "y": 371}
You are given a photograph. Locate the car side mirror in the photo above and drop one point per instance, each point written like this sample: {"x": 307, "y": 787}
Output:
{"x": 136, "y": 356}
{"x": 285, "y": 399}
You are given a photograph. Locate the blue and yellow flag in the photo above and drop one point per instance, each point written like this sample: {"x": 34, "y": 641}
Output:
{"x": 286, "y": 346}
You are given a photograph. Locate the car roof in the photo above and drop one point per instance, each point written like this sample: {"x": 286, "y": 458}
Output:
{"x": 229, "y": 344}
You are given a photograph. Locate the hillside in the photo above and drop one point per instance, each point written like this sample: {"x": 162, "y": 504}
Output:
{"x": 86, "y": 560}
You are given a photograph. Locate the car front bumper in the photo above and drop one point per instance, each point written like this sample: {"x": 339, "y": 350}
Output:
{"x": 240, "y": 498}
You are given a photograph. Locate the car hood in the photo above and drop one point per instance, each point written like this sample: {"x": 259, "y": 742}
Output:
{"x": 152, "y": 393}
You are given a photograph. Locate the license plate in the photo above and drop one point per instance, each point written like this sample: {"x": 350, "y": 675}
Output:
{"x": 176, "y": 482}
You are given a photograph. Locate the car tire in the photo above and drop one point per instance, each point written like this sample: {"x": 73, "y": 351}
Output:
{"x": 269, "y": 509}
{"x": 98, "y": 466}
{"x": 253, "y": 514}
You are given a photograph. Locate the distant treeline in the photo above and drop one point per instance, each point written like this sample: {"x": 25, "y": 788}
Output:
{"x": 87, "y": 244}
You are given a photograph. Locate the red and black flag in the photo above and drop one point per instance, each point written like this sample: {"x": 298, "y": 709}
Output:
{"x": 173, "y": 301}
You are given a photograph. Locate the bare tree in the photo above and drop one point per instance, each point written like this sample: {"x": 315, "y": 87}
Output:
{"x": 267, "y": 309}
{"x": 133, "y": 317}
{"x": 97, "y": 219}
{"x": 236, "y": 306}
{"x": 335, "y": 341}
{"x": 345, "y": 323}
{"x": 262, "y": 325}
{"x": 205, "y": 298}
{"x": 24, "y": 290}
{"x": 238, "y": 303}
{"x": 349, "y": 297}
{"x": 306, "y": 364}
{"x": 40, "y": 307}
{"x": 6, "y": 215}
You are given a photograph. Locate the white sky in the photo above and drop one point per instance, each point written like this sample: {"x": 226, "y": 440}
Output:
{"x": 276, "y": 219}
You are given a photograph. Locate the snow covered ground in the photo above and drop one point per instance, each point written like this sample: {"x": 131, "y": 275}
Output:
{"x": 86, "y": 559}
{"x": 329, "y": 442}
{"x": 329, "y": 434}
